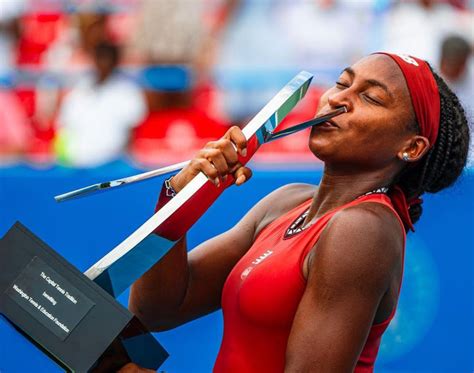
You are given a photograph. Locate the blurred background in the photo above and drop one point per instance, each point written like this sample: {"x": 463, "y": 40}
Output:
{"x": 95, "y": 90}
{"x": 86, "y": 82}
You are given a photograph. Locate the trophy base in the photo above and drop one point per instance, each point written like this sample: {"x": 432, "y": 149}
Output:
{"x": 69, "y": 317}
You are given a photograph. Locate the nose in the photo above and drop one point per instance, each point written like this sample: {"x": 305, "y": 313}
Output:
{"x": 340, "y": 98}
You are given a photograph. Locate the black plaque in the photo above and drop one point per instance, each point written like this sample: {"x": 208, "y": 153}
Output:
{"x": 49, "y": 298}
{"x": 72, "y": 319}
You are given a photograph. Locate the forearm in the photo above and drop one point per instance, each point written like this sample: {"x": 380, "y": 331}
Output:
{"x": 156, "y": 296}
{"x": 166, "y": 296}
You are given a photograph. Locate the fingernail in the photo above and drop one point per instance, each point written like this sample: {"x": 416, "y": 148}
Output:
{"x": 240, "y": 179}
{"x": 216, "y": 182}
{"x": 244, "y": 152}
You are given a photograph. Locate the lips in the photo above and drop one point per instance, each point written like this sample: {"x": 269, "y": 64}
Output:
{"x": 329, "y": 124}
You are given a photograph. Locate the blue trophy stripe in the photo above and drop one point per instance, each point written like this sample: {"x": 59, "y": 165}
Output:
{"x": 260, "y": 136}
{"x": 119, "y": 276}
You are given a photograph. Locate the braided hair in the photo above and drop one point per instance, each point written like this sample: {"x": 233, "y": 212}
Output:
{"x": 445, "y": 161}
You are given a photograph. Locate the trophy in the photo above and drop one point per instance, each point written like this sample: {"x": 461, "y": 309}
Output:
{"x": 74, "y": 317}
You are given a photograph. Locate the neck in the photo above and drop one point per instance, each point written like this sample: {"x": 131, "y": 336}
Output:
{"x": 340, "y": 187}
{"x": 101, "y": 77}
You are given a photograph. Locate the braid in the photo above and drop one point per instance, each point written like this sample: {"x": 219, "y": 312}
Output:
{"x": 445, "y": 161}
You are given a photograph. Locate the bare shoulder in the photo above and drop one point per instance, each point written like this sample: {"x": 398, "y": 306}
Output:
{"x": 282, "y": 200}
{"x": 372, "y": 219}
{"x": 366, "y": 238}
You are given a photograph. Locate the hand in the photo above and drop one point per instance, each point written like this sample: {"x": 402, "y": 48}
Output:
{"x": 217, "y": 160}
{"x": 134, "y": 368}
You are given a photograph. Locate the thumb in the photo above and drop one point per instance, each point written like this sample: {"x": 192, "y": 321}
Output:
{"x": 242, "y": 175}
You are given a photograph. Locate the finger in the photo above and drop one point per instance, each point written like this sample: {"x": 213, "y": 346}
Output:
{"x": 207, "y": 168}
{"x": 210, "y": 171}
{"x": 235, "y": 167}
{"x": 216, "y": 157}
{"x": 228, "y": 150}
{"x": 236, "y": 135}
{"x": 224, "y": 144}
{"x": 242, "y": 175}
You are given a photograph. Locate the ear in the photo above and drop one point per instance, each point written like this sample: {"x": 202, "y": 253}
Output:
{"x": 415, "y": 149}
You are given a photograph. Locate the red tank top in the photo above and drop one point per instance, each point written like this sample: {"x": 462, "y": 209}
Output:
{"x": 262, "y": 293}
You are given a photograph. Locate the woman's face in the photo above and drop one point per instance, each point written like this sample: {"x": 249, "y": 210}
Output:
{"x": 376, "y": 126}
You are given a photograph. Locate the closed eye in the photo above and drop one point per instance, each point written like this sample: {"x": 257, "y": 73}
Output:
{"x": 371, "y": 100}
{"x": 340, "y": 84}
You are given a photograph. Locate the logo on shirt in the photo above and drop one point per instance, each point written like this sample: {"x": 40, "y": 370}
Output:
{"x": 257, "y": 261}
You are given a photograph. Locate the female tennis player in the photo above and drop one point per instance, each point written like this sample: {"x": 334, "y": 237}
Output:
{"x": 309, "y": 279}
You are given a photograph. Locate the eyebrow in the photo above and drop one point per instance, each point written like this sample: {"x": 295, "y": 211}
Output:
{"x": 372, "y": 82}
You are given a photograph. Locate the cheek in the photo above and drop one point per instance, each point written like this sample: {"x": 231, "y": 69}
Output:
{"x": 383, "y": 137}
{"x": 376, "y": 134}
{"x": 357, "y": 142}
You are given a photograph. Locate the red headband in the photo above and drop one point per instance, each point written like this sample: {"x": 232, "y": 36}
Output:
{"x": 425, "y": 100}
{"x": 423, "y": 92}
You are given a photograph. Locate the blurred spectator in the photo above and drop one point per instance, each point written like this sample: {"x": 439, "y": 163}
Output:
{"x": 181, "y": 117}
{"x": 96, "y": 117}
{"x": 177, "y": 125}
{"x": 10, "y": 12}
{"x": 455, "y": 69}
{"x": 72, "y": 51}
{"x": 15, "y": 129}
{"x": 418, "y": 27}
{"x": 92, "y": 29}
{"x": 179, "y": 31}
{"x": 38, "y": 31}
{"x": 39, "y": 27}
{"x": 169, "y": 31}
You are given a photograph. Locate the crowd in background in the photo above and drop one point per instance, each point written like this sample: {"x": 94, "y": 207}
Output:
{"x": 84, "y": 83}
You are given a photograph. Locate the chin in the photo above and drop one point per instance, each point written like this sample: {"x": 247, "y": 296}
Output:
{"x": 318, "y": 148}
{"x": 318, "y": 141}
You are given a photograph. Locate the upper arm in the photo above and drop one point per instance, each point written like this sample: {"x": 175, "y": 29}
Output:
{"x": 350, "y": 271}
{"x": 211, "y": 262}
